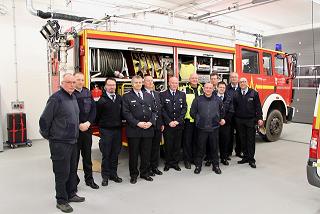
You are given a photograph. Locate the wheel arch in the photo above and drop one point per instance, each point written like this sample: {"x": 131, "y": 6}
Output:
{"x": 274, "y": 101}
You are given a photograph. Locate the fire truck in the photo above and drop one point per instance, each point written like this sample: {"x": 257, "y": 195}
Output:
{"x": 99, "y": 54}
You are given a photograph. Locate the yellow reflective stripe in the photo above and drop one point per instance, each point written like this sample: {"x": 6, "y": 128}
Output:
{"x": 317, "y": 111}
{"x": 270, "y": 87}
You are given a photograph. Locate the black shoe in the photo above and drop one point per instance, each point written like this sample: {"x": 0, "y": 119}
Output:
{"x": 216, "y": 169}
{"x": 166, "y": 168}
{"x": 104, "y": 182}
{"x": 197, "y": 170}
{"x": 147, "y": 178}
{"x": 224, "y": 162}
{"x": 228, "y": 158}
{"x": 115, "y": 179}
{"x": 133, "y": 180}
{"x": 66, "y": 208}
{"x": 92, "y": 184}
{"x": 253, "y": 165}
{"x": 177, "y": 168}
{"x": 157, "y": 171}
{"x": 77, "y": 198}
{"x": 240, "y": 155}
{"x": 187, "y": 165}
{"x": 151, "y": 173}
{"x": 243, "y": 161}
{"x": 208, "y": 163}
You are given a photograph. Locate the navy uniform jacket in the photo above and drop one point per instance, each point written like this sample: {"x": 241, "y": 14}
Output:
{"x": 248, "y": 106}
{"x": 228, "y": 108}
{"x": 173, "y": 109}
{"x": 86, "y": 104}
{"x": 231, "y": 91}
{"x": 59, "y": 121}
{"x": 157, "y": 107}
{"x": 136, "y": 110}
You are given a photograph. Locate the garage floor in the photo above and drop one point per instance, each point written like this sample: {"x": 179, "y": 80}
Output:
{"x": 278, "y": 185}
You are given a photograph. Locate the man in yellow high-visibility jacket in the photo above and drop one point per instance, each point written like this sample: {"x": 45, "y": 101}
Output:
{"x": 193, "y": 89}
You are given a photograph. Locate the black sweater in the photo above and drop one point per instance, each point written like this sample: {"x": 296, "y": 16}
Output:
{"x": 109, "y": 112}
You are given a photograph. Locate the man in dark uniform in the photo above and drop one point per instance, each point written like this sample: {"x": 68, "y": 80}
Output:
{"x": 59, "y": 123}
{"x": 87, "y": 116}
{"x": 248, "y": 113}
{"x": 224, "y": 131}
{"x": 214, "y": 79}
{"x": 207, "y": 110}
{"x": 155, "y": 150}
{"x": 109, "y": 120}
{"x": 232, "y": 88}
{"x": 174, "y": 108}
{"x": 139, "y": 112}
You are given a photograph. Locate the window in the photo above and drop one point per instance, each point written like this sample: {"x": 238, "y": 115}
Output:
{"x": 250, "y": 62}
{"x": 281, "y": 65}
{"x": 267, "y": 64}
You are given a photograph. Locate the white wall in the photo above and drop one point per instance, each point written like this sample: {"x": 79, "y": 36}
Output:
{"x": 32, "y": 66}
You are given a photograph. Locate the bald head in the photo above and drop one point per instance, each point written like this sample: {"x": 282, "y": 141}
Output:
{"x": 173, "y": 83}
{"x": 68, "y": 83}
{"x": 234, "y": 78}
{"x": 194, "y": 80}
{"x": 243, "y": 82}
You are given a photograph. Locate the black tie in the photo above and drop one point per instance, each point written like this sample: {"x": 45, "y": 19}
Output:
{"x": 113, "y": 97}
{"x": 139, "y": 95}
{"x": 243, "y": 93}
{"x": 221, "y": 97}
{"x": 173, "y": 94}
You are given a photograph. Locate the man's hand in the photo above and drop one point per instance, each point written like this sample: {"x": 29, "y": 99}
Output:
{"x": 141, "y": 125}
{"x": 172, "y": 124}
{"x": 222, "y": 122}
{"x": 83, "y": 127}
{"x": 148, "y": 125}
{"x": 88, "y": 124}
{"x": 260, "y": 123}
{"x": 162, "y": 128}
{"x": 176, "y": 122}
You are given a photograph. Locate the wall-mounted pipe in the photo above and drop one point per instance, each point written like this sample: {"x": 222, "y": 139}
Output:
{"x": 52, "y": 15}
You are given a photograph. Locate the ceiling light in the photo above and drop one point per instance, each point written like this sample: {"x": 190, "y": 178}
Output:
{"x": 316, "y": 1}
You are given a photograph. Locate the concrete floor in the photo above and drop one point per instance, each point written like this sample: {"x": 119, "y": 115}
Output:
{"x": 278, "y": 185}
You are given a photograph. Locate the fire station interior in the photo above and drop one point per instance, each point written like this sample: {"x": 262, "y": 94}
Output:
{"x": 273, "y": 44}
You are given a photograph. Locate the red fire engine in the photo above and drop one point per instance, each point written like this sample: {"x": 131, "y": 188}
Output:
{"x": 103, "y": 53}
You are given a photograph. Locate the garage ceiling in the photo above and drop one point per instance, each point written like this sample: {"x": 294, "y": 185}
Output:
{"x": 267, "y": 17}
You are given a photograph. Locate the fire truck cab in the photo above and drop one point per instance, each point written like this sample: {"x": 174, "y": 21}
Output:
{"x": 99, "y": 54}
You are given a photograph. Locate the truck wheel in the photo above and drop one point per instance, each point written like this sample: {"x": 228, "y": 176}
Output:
{"x": 274, "y": 125}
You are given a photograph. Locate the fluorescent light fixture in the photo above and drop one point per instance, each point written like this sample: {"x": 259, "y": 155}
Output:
{"x": 316, "y": 1}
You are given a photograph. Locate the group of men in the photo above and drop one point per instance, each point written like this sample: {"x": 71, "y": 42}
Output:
{"x": 200, "y": 119}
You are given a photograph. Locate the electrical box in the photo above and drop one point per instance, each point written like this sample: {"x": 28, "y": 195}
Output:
{"x": 17, "y": 105}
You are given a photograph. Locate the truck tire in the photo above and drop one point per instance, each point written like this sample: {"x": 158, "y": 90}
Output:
{"x": 274, "y": 125}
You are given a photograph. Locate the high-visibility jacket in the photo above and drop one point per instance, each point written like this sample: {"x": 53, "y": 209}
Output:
{"x": 190, "y": 96}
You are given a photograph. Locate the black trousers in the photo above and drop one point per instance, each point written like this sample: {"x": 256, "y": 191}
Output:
{"x": 143, "y": 147}
{"x": 84, "y": 145}
{"x": 212, "y": 138}
{"x": 172, "y": 145}
{"x": 189, "y": 141}
{"x": 64, "y": 162}
{"x": 155, "y": 149}
{"x": 224, "y": 140}
{"x": 233, "y": 129}
{"x": 247, "y": 134}
{"x": 110, "y": 147}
